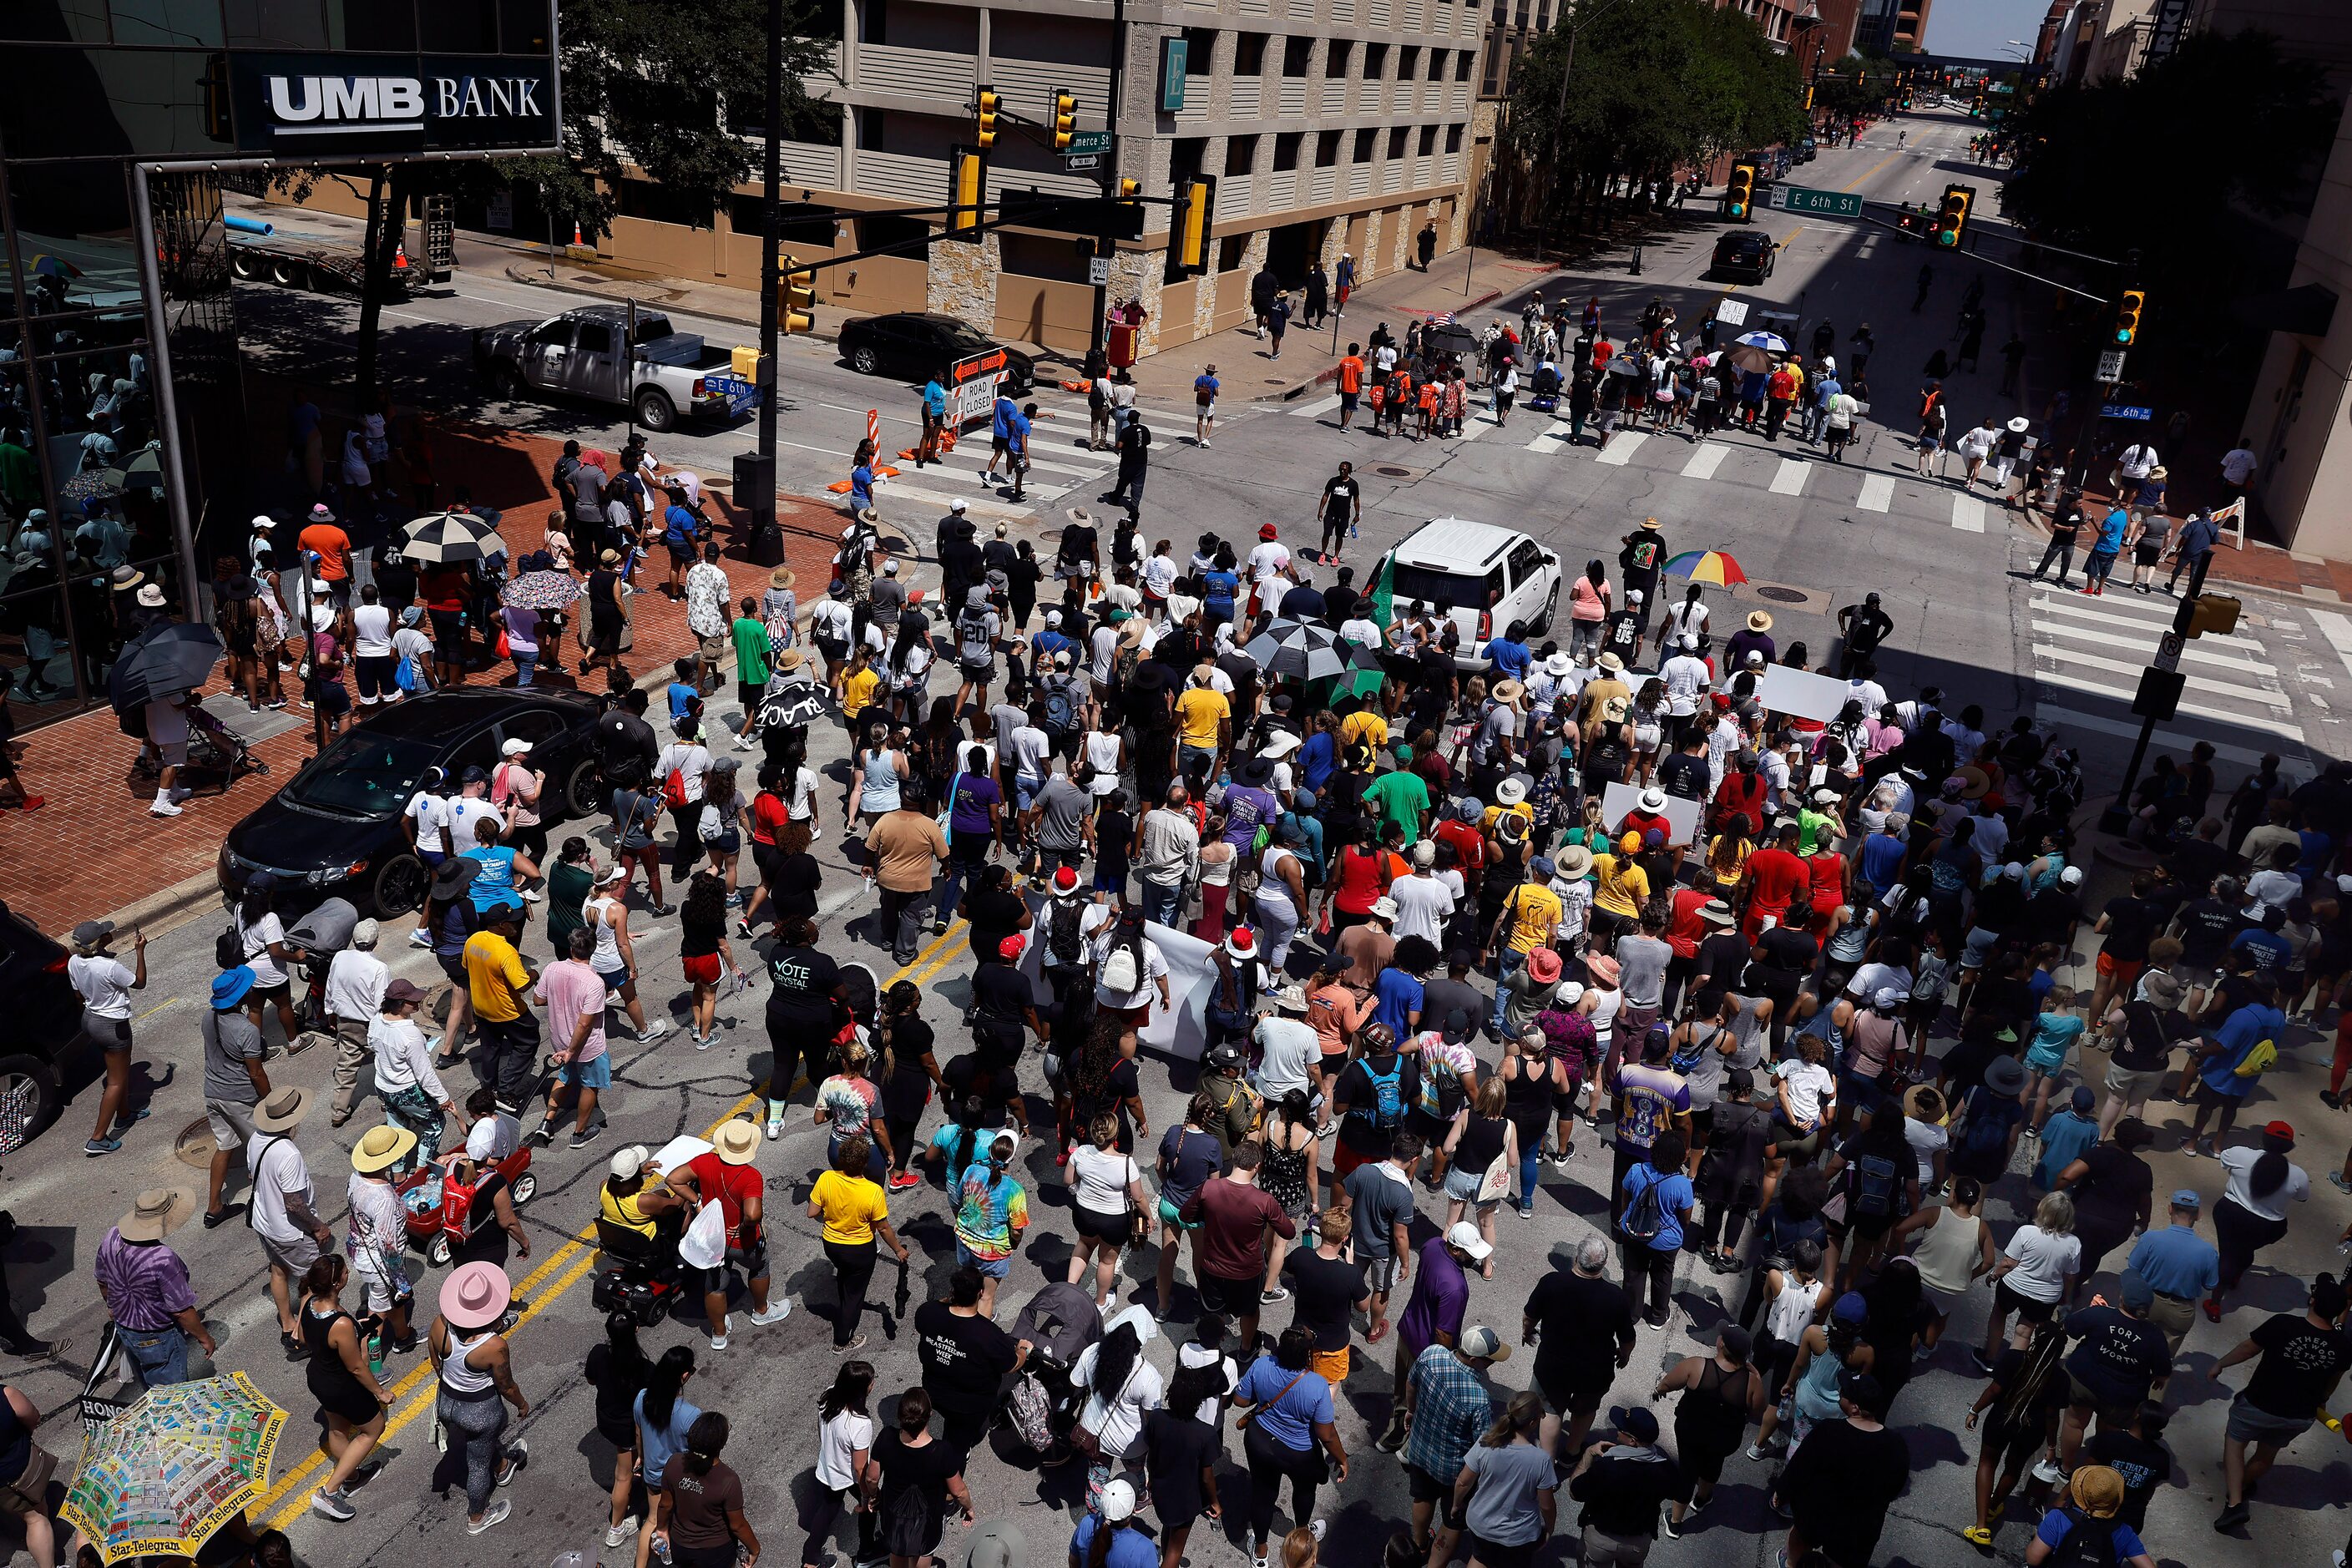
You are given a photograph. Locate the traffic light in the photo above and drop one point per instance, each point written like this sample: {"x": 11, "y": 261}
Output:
{"x": 796, "y": 312}
{"x": 1953, "y": 215}
{"x": 1188, "y": 230}
{"x": 1065, "y": 117}
{"x": 1129, "y": 187}
{"x": 1739, "y": 193}
{"x": 2128, "y": 309}
{"x": 984, "y": 123}
{"x": 967, "y": 191}
{"x": 2213, "y": 613}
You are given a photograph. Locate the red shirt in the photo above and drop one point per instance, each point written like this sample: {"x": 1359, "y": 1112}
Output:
{"x": 1778, "y": 877}
{"x": 1828, "y": 871}
{"x": 729, "y": 1184}
{"x": 1781, "y": 385}
{"x": 444, "y": 588}
{"x": 768, "y": 814}
{"x": 1743, "y": 793}
{"x": 1364, "y": 877}
{"x": 1469, "y": 845}
{"x": 1684, "y": 930}
{"x": 1640, "y": 822}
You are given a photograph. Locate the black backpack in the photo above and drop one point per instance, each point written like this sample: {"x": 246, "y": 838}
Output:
{"x": 1061, "y": 938}
{"x": 2089, "y": 1544}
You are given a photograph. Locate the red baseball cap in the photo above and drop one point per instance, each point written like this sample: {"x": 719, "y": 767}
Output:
{"x": 1012, "y": 947}
{"x": 1266, "y": 530}
{"x": 2279, "y": 1129}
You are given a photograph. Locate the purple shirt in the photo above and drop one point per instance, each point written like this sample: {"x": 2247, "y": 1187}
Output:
{"x": 1441, "y": 1294}
{"x": 145, "y": 1283}
{"x": 1246, "y": 810}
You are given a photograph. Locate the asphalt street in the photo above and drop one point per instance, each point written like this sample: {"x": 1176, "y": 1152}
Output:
{"x": 1821, "y": 533}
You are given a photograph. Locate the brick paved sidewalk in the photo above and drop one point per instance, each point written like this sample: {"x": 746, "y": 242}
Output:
{"x": 93, "y": 848}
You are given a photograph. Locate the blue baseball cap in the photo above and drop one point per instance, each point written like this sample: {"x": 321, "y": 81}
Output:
{"x": 1851, "y": 1307}
{"x": 2187, "y": 1198}
{"x": 229, "y": 987}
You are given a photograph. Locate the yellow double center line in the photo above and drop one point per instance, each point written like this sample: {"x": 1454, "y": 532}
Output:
{"x": 418, "y": 1389}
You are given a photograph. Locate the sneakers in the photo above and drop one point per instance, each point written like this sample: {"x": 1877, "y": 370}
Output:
{"x": 94, "y": 1147}
{"x": 775, "y": 1125}
{"x": 2232, "y": 1518}
{"x": 1314, "y": 1528}
{"x": 901, "y": 1180}
{"x": 701, "y": 1042}
{"x": 332, "y": 1505}
{"x": 776, "y": 1313}
{"x": 587, "y": 1135}
{"x": 857, "y": 1342}
{"x": 1983, "y": 1365}
{"x": 620, "y": 1531}
{"x": 1758, "y": 1451}
{"x": 719, "y": 1339}
{"x": 1390, "y": 1441}
{"x": 495, "y": 1513}
{"x": 2047, "y": 1472}
{"x": 1268, "y": 1298}
{"x": 653, "y": 1031}
{"x": 417, "y": 938}
{"x": 163, "y": 808}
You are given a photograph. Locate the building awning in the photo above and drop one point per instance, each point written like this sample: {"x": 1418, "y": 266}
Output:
{"x": 2307, "y": 310}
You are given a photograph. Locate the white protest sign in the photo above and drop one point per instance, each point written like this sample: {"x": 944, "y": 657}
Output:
{"x": 1681, "y": 815}
{"x": 1731, "y": 313}
{"x": 1802, "y": 694}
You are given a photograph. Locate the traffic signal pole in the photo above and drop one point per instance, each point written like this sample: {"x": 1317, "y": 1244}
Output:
{"x": 2116, "y": 819}
{"x": 1107, "y": 245}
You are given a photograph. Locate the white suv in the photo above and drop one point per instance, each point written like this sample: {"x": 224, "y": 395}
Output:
{"x": 1488, "y": 576}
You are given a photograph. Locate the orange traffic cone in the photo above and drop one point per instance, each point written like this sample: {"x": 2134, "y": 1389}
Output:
{"x": 400, "y": 259}
{"x": 576, "y": 241}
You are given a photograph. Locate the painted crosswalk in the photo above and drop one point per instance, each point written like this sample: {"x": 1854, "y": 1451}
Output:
{"x": 1789, "y": 479}
{"x": 1550, "y": 439}
{"x": 1705, "y": 459}
{"x": 1316, "y": 409}
{"x": 1622, "y": 447}
{"x": 1877, "y": 492}
{"x": 1967, "y": 514}
{"x": 2089, "y": 655}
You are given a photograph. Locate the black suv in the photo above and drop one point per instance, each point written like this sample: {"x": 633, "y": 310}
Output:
{"x": 44, "y": 1028}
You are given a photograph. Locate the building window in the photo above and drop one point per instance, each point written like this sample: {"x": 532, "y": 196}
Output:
{"x": 1454, "y": 138}
{"x": 1295, "y": 53}
{"x": 1462, "y": 65}
{"x": 1241, "y": 155}
{"x": 1326, "y": 148}
{"x": 1185, "y": 155}
{"x": 1249, "y": 54}
{"x": 1428, "y": 139}
{"x": 1230, "y": 252}
{"x": 1376, "y": 61}
{"x": 1335, "y": 58}
{"x": 1396, "y": 140}
{"x": 1408, "y": 62}
{"x": 1285, "y": 150}
{"x": 1364, "y": 144}
{"x": 1437, "y": 65}
{"x": 1200, "y": 50}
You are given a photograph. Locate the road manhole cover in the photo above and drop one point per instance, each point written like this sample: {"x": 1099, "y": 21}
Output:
{"x": 1394, "y": 470}
{"x": 195, "y": 1145}
{"x": 1782, "y": 595}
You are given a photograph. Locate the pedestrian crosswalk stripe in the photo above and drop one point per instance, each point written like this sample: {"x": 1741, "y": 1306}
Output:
{"x": 898, "y": 490}
{"x": 2244, "y": 688}
{"x": 1877, "y": 492}
{"x": 1706, "y": 461}
{"x": 1789, "y": 479}
{"x": 2111, "y": 690}
{"x": 1549, "y": 440}
{"x": 2074, "y": 719}
{"x": 1622, "y": 447}
{"x": 1053, "y": 464}
{"x": 1475, "y": 425}
{"x": 2132, "y": 612}
{"x": 1321, "y": 405}
{"x": 2193, "y": 652}
{"x": 1967, "y": 514}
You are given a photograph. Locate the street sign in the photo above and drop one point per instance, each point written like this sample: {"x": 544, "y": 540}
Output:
{"x": 1087, "y": 144}
{"x": 2158, "y": 696}
{"x": 1083, "y": 161}
{"x": 2111, "y": 365}
{"x": 1098, "y": 271}
{"x": 1805, "y": 199}
{"x": 1174, "y": 63}
{"x": 2125, "y": 410}
{"x": 2168, "y": 652}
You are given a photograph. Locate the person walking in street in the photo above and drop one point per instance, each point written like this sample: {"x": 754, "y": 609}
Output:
{"x": 1721, "y": 1394}
{"x": 1204, "y": 405}
{"x": 235, "y": 1081}
{"x": 726, "y": 1175}
{"x": 1278, "y": 322}
{"x": 350, "y": 1399}
{"x": 1625, "y": 1483}
{"x": 2302, "y": 1358}
{"x": 903, "y": 852}
{"x": 470, "y": 1356}
{"x": 356, "y": 979}
{"x": 1235, "y": 1216}
{"x": 105, "y": 983}
{"x": 283, "y": 1211}
{"x": 909, "y": 1481}
{"x": 1134, "y": 467}
{"x": 26, "y": 1472}
{"x": 698, "y": 1520}
{"x": 1285, "y": 1414}
{"x": 144, "y": 1285}
{"x": 845, "y": 1449}
{"x": 506, "y": 1057}
{"x": 855, "y": 1211}
{"x": 2181, "y": 1266}
{"x": 2191, "y": 545}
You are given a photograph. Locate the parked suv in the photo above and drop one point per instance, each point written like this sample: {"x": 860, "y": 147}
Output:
{"x": 44, "y": 1028}
{"x": 1490, "y": 576}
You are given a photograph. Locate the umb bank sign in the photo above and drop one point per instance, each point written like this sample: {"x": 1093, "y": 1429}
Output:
{"x": 316, "y": 106}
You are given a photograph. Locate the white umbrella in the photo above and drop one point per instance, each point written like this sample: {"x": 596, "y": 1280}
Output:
{"x": 1772, "y": 341}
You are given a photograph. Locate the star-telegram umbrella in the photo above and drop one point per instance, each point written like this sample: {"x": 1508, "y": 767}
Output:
{"x": 161, "y": 1478}
{"x": 1707, "y": 567}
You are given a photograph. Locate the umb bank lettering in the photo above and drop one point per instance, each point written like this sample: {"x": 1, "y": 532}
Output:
{"x": 314, "y": 105}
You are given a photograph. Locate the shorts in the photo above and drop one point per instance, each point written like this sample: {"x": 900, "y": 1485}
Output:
{"x": 1100, "y": 1226}
{"x": 752, "y": 1260}
{"x": 1462, "y": 1186}
{"x": 449, "y": 633}
{"x": 1380, "y": 1274}
{"x": 2123, "y": 970}
{"x": 703, "y": 969}
{"x": 1205, "y": 410}
{"x": 2027, "y": 1309}
{"x": 1331, "y": 1366}
{"x": 986, "y": 1267}
{"x": 330, "y": 698}
{"x": 2249, "y": 1422}
{"x": 1568, "y": 1399}
{"x": 379, "y": 1295}
{"x": 1223, "y": 1295}
{"x": 2211, "y": 1098}
{"x": 1427, "y": 1487}
{"x": 2134, "y": 1084}
{"x": 2111, "y": 1415}
{"x": 232, "y": 1123}
{"x": 2146, "y": 554}
{"x": 2049, "y": 1064}
{"x": 1348, "y": 402}
{"x": 1494, "y": 1554}
{"x": 454, "y": 967}
{"x": 294, "y": 1256}
{"x": 109, "y": 1034}
{"x": 172, "y": 753}
{"x": 29, "y": 1492}
{"x": 613, "y": 979}
{"x": 977, "y": 671}
{"x": 596, "y": 1072}
{"x": 1172, "y": 1214}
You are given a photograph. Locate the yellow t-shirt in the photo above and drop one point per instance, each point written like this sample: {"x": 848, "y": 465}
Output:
{"x": 1797, "y": 374}
{"x": 1365, "y": 726}
{"x": 1619, "y": 886}
{"x": 857, "y": 691}
{"x": 1535, "y": 913}
{"x": 1200, "y": 710}
{"x": 1495, "y": 813}
{"x": 850, "y": 1205}
{"x": 624, "y": 1211}
{"x": 495, "y": 978}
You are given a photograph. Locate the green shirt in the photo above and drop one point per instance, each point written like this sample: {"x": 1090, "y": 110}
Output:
{"x": 1814, "y": 829}
{"x": 568, "y": 887}
{"x": 751, "y": 651}
{"x": 1401, "y": 798}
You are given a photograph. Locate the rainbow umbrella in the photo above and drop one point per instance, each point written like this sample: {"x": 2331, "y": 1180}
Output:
{"x": 1707, "y": 567}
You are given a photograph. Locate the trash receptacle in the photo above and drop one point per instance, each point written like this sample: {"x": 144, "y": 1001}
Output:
{"x": 1121, "y": 343}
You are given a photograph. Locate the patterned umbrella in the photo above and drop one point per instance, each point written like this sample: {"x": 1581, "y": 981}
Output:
{"x": 795, "y": 704}
{"x": 1772, "y": 341}
{"x": 1707, "y": 567}
{"x": 1299, "y": 650}
{"x": 447, "y": 538}
{"x": 546, "y": 590}
{"x": 159, "y": 1478}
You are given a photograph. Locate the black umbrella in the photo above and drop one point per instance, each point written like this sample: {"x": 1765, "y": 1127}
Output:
{"x": 449, "y": 538}
{"x": 175, "y": 657}
{"x": 795, "y": 705}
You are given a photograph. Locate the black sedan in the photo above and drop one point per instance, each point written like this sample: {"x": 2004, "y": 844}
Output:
{"x": 44, "y": 1028}
{"x": 1747, "y": 255}
{"x": 918, "y": 344}
{"x": 334, "y": 830}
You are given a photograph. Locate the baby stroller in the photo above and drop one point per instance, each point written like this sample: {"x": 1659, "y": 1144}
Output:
{"x": 446, "y": 1213}
{"x": 313, "y": 941}
{"x": 1059, "y": 1322}
{"x": 1543, "y": 388}
{"x": 217, "y": 755}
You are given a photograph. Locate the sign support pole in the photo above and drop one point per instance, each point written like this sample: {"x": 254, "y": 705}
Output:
{"x": 2116, "y": 819}
{"x": 1105, "y": 246}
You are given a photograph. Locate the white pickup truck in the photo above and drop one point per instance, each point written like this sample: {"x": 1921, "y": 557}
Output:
{"x": 666, "y": 375}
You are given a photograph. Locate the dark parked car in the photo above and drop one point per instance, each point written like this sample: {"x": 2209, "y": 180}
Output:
{"x": 918, "y": 344}
{"x": 1744, "y": 254}
{"x": 44, "y": 1028}
{"x": 334, "y": 830}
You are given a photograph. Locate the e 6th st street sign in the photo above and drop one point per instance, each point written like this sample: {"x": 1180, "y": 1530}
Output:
{"x": 1804, "y": 199}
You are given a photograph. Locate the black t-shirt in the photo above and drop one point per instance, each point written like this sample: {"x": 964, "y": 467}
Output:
{"x": 2130, "y": 924}
{"x": 965, "y": 1359}
{"x": 995, "y": 914}
{"x": 1001, "y": 992}
{"x": 1840, "y": 1485}
{"x": 615, "y": 1395}
{"x": 2052, "y": 915}
{"x": 1118, "y": 1086}
{"x": 2119, "y": 1355}
{"x": 1326, "y": 1291}
{"x": 1786, "y": 956}
{"x": 2143, "y": 1466}
{"x": 1582, "y": 1324}
{"x": 1622, "y": 1489}
{"x": 2205, "y": 927}
{"x": 2197, "y": 862}
{"x": 798, "y": 878}
{"x": 1623, "y": 637}
{"x": 1723, "y": 957}
{"x": 1355, "y": 1093}
{"x": 1176, "y": 1449}
{"x": 802, "y": 997}
{"x": 1685, "y": 776}
{"x": 2149, "y": 1034}
{"x": 967, "y": 1076}
{"x": 924, "y": 1471}
{"x": 1079, "y": 542}
{"x": 2300, "y": 1364}
{"x": 2109, "y": 1197}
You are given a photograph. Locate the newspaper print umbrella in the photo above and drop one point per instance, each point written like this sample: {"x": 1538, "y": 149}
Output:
{"x": 1299, "y": 650}
{"x": 449, "y": 538}
{"x": 161, "y": 1478}
{"x": 545, "y": 590}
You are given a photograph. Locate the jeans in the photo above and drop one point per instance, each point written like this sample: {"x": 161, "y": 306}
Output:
{"x": 958, "y": 870}
{"x": 1584, "y": 640}
{"x": 1510, "y": 964}
{"x": 2060, "y": 549}
{"x": 824, "y": 1512}
{"x": 2184, "y": 564}
{"x": 159, "y": 1357}
{"x": 901, "y": 921}
{"x": 2096, "y": 566}
{"x": 524, "y": 659}
{"x": 1161, "y": 905}
{"x": 853, "y": 1271}
{"x": 1188, "y": 756}
{"x": 1530, "y": 1172}
{"x": 688, "y": 850}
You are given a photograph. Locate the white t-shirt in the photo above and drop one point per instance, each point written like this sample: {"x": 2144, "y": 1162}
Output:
{"x": 1685, "y": 624}
{"x": 1422, "y": 904}
{"x": 2043, "y": 1261}
{"x": 1927, "y": 1139}
{"x": 430, "y": 815}
{"x": 1099, "y": 1177}
{"x": 371, "y": 631}
{"x": 1031, "y": 746}
{"x": 467, "y": 813}
{"x": 2239, "y": 1163}
{"x": 104, "y": 982}
{"x": 1808, "y": 1082}
{"x": 1147, "y": 990}
{"x": 1160, "y": 575}
{"x": 277, "y": 1172}
{"x": 1269, "y": 558}
{"x": 803, "y": 800}
{"x": 837, "y": 1443}
{"x": 690, "y": 763}
{"x": 257, "y": 937}
{"x": 1288, "y": 1046}
{"x": 1115, "y": 1416}
{"x": 356, "y": 985}
{"x": 410, "y": 643}
{"x": 1686, "y": 677}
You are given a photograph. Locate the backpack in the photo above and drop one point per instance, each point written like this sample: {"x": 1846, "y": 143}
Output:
{"x": 1388, "y": 1094}
{"x": 1029, "y": 1410}
{"x": 1870, "y": 1188}
{"x": 1061, "y": 710}
{"x": 1431, "y": 1093}
{"x": 854, "y": 551}
{"x": 2089, "y": 1544}
{"x": 1062, "y": 940}
{"x": 1985, "y": 1139}
{"x": 1121, "y": 972}
{"x": 228, "y": 948}
{"x": 1645, "y": 1217}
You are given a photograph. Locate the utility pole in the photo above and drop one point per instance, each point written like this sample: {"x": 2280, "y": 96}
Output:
{"x": 755, "y": 476}
{"x": 1105, "y": 244}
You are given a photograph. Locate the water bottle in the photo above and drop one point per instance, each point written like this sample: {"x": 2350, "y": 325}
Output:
{"x": 661, "y": 1546}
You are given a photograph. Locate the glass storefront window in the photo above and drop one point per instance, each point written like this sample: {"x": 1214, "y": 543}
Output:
{"x": 91, "y": 103}
{"x": 459, "y": 26}
{"x": 388, "y": 25}
{"x": 278, "y": 24}
{"x": 53, "y": 21}
{"x": 37, "y": 652}
{"x": 186, "y": 23}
